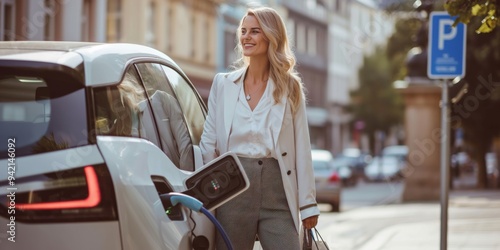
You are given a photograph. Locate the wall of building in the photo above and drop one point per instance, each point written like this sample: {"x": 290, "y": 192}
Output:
{"x": 53, "y": 20}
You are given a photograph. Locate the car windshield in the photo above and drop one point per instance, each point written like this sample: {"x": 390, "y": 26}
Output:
{"x": 41, "y": 113}
{"x": 320, "y": 165}
{"x": 343, "y": 161}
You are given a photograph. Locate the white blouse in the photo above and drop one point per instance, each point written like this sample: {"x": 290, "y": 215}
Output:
{"x": 251, "y": 134}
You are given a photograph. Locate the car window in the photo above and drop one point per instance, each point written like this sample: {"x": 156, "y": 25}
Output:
{"x": 321, "y": 165}
{"x": 41, "y": 112}
{"x": 191, "y": 104}
{"x": 123, "y": 109}
{"x": 174, "y": 134}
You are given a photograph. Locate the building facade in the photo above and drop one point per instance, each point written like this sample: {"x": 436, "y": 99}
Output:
{"x": 329, "y": 37}
{"x": 307, "y": 22}
{"x": 307, "y": 25}
{"x": 53, "y": 20}
{"x": 183, "y": 29}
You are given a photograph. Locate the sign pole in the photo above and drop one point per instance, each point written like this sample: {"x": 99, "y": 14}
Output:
{"x": 445, "y": 147}
{"x": 446, "y": 61}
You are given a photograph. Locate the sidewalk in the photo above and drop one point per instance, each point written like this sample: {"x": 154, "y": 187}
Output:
{"x": 473, "y": 223}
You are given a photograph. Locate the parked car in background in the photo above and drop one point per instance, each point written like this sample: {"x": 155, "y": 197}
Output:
{"x": 398, "y": 151}
{"x": 492, "y": 166}
{"x": 355, "y": 161}
{"x": 385, "y": 168}
{"x": 463, "y": 162}
{"x": 91, "y": 136}
{"x": 345, "y": 169}
{"x": 328, "y": 182}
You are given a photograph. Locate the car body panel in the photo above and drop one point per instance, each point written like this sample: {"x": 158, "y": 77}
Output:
{"x": 98, "y": 235}
{"x": 55, "y": 161}
{"x": 400, "y": 151}
{"x": 96, "y": 57}
{"x": 105, "y": 234}
{"x": 141, "y": 221}
{"x": 141, "y": 159}
{"x": 384, "y": 168}
{"x": 326, "y": 191}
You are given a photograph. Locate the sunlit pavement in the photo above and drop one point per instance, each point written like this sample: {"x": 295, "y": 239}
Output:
{"x": 372, "y": 217}
{"x": 473, "y": 223}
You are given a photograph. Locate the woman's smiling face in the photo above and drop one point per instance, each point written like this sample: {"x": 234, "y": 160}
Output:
{"x": 252, "y": 39}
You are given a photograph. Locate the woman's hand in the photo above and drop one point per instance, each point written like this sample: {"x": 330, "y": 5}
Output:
{"x": 310, "y": 222}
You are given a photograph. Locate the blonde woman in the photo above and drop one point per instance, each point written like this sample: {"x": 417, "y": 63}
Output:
{"x": 258, "y": 112}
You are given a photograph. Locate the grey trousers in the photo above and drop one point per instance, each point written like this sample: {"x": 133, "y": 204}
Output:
{"x": 261, "y": 210}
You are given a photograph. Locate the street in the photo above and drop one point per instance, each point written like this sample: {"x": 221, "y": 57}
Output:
{"x": 373, "y": 218}
{"x": 355, "y": 224}
{"x": 370, "y": 194}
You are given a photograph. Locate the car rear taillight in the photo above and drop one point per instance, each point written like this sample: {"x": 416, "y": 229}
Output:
{"x": 334, "y": 177}
{"x": 81, "y": 194}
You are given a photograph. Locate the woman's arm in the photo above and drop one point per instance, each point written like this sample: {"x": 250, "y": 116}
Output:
{"x": 208, "y": 143}
{"x": 303, "y": 162}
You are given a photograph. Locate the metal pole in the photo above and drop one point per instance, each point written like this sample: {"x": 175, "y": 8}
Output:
{"x": 444, "y": 165}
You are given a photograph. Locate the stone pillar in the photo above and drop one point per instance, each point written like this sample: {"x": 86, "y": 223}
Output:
{"x": 422, "y": 128}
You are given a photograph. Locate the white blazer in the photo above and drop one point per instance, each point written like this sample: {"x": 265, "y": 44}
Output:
{"x": 292, "y": 146}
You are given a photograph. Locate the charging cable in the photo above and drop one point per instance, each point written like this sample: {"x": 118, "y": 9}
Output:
{"x": 171, "y": 199}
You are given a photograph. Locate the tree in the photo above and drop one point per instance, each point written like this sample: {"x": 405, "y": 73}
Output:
{"x": 476, "y": 111}
{"x": 401, "y": 41}
{"x": 466, "y": 10}
{"x": 376, "y": 102}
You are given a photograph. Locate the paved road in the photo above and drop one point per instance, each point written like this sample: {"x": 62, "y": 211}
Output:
{"x": 372, "y": 217}
{"x": 474, "y": 221}
{"x": 345, "y": 225}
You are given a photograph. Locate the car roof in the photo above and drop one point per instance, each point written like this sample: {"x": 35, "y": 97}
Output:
{"x": 321, "y": 155}
{"x": 103, "y": 63}
{"x": 396, "y": 149}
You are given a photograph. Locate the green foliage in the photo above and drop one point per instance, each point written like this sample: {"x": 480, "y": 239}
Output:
{"x": 398, "y": 6}
{"x": 376, "y": 102}
{"x": 476, "y": 111}
{"x": 398, "y": 45}
{"x": 467, "y": 10}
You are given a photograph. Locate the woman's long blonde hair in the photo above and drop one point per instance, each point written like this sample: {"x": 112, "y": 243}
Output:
{"x": 282, "y": 60}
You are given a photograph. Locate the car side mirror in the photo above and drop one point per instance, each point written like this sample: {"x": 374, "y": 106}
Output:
{"x": 218, "y": 181}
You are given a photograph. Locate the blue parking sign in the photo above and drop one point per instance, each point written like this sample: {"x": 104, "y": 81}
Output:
{"x": 446, "y": 59}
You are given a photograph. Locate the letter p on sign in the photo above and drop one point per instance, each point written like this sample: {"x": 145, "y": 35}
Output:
{"x": 442, "y": 32}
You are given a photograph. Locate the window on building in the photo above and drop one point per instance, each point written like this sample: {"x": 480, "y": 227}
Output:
{"x": 114, "y": 21}
{"x": 193, "y": 36}
{"x": 290, "y": 27}
{"x": 338, "y": 5}
{"x": 49, "y": 27}
{"x": 301, "y": 38}
{"x": 151, "y": 28}
{"x": 168, "y": 31}
{"x": 86, "y": 21}
{"x": 312, "y": 41}
{"x": 207, "y": 34}
{"x": 7, "y": 29}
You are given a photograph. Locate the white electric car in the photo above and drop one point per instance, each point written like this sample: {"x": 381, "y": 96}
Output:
{"x": 91, "y": 136}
